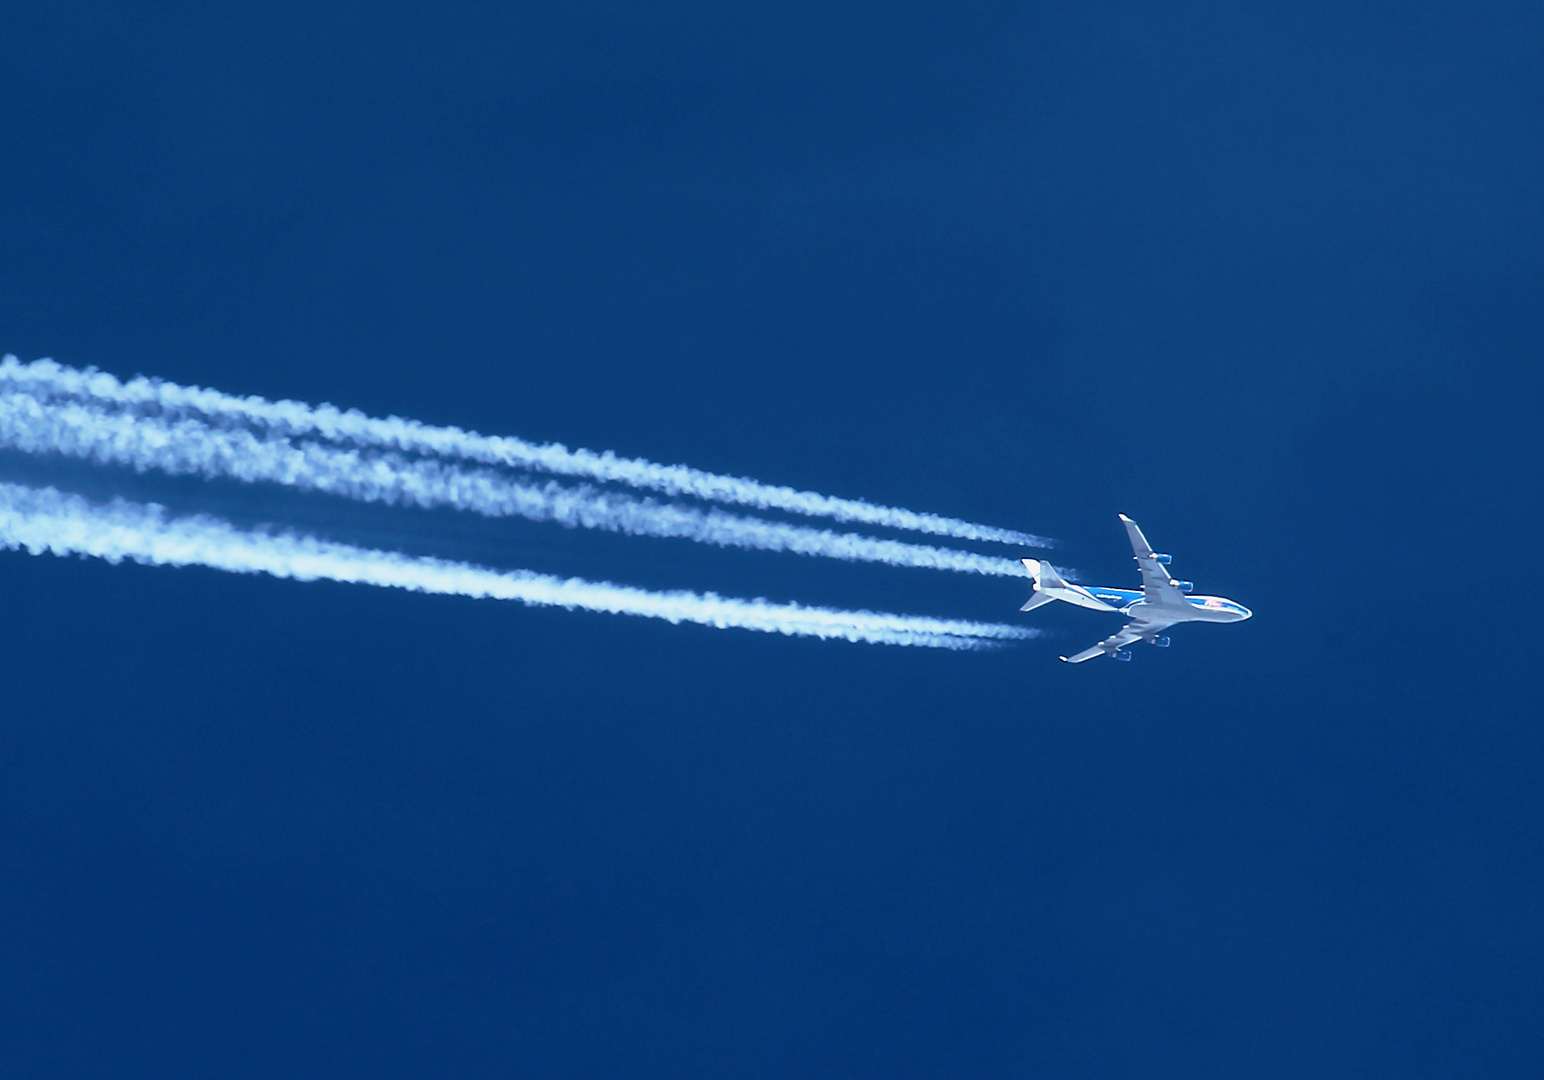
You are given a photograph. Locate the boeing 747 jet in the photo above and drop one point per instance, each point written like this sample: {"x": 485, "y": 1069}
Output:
{"x": 1162, "y": 602}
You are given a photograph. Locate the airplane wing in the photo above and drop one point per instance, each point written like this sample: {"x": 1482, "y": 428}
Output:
{"x": 1145, "y": 625}
{"x": 1108, "y": 647}
{"x": 1163, "y": 603}
{"x": 1157, "y": 584}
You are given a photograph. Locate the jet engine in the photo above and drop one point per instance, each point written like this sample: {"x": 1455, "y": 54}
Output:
{"x": 1184, "y": 586}
{"x": 1165, "y": 559}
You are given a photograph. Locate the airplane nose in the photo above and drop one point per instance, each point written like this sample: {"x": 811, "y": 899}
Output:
{"x": 1244, "y": 613}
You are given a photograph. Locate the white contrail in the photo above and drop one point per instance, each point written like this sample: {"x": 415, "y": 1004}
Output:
{"x": 187, "y": 446}
{"x": 293, "y": 418}
{"x": 44, "y": 519}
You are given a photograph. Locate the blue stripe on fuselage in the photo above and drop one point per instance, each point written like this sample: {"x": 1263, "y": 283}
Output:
{"x": 1118, "y": 597}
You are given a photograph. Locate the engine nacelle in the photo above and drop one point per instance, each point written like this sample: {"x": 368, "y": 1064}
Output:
{"x": 1124, "y": 654}
{"x": 1161, "y": 642}
{"x": 1184, "y": 586}
{"x": 1165, "y": 559}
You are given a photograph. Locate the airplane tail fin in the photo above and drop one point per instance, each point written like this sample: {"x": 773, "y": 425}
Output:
{"x": 1044, "y": 573}
{"x": 1049, "y": 585}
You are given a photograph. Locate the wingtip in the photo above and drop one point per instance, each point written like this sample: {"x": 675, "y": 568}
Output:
{"x": 1126, "y": 519}
{"x": 1065, "y": 660}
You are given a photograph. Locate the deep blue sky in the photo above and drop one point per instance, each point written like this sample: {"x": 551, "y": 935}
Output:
{"x": 1267, "y": 277}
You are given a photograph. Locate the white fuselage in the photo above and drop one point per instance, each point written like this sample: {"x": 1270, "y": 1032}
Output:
{"x": 1217, "y": 609}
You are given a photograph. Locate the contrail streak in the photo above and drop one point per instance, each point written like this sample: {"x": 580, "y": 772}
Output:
{"x": 287, "y": 419}
{"x": 188, "y": 446}
{"x": 44, "y": 519}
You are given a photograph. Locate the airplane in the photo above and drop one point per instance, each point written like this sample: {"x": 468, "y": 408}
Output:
{"x": 1162, "y": 602}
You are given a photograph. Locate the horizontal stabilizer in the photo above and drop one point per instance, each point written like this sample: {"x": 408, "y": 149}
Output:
{"x": 1036, "y": 601}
